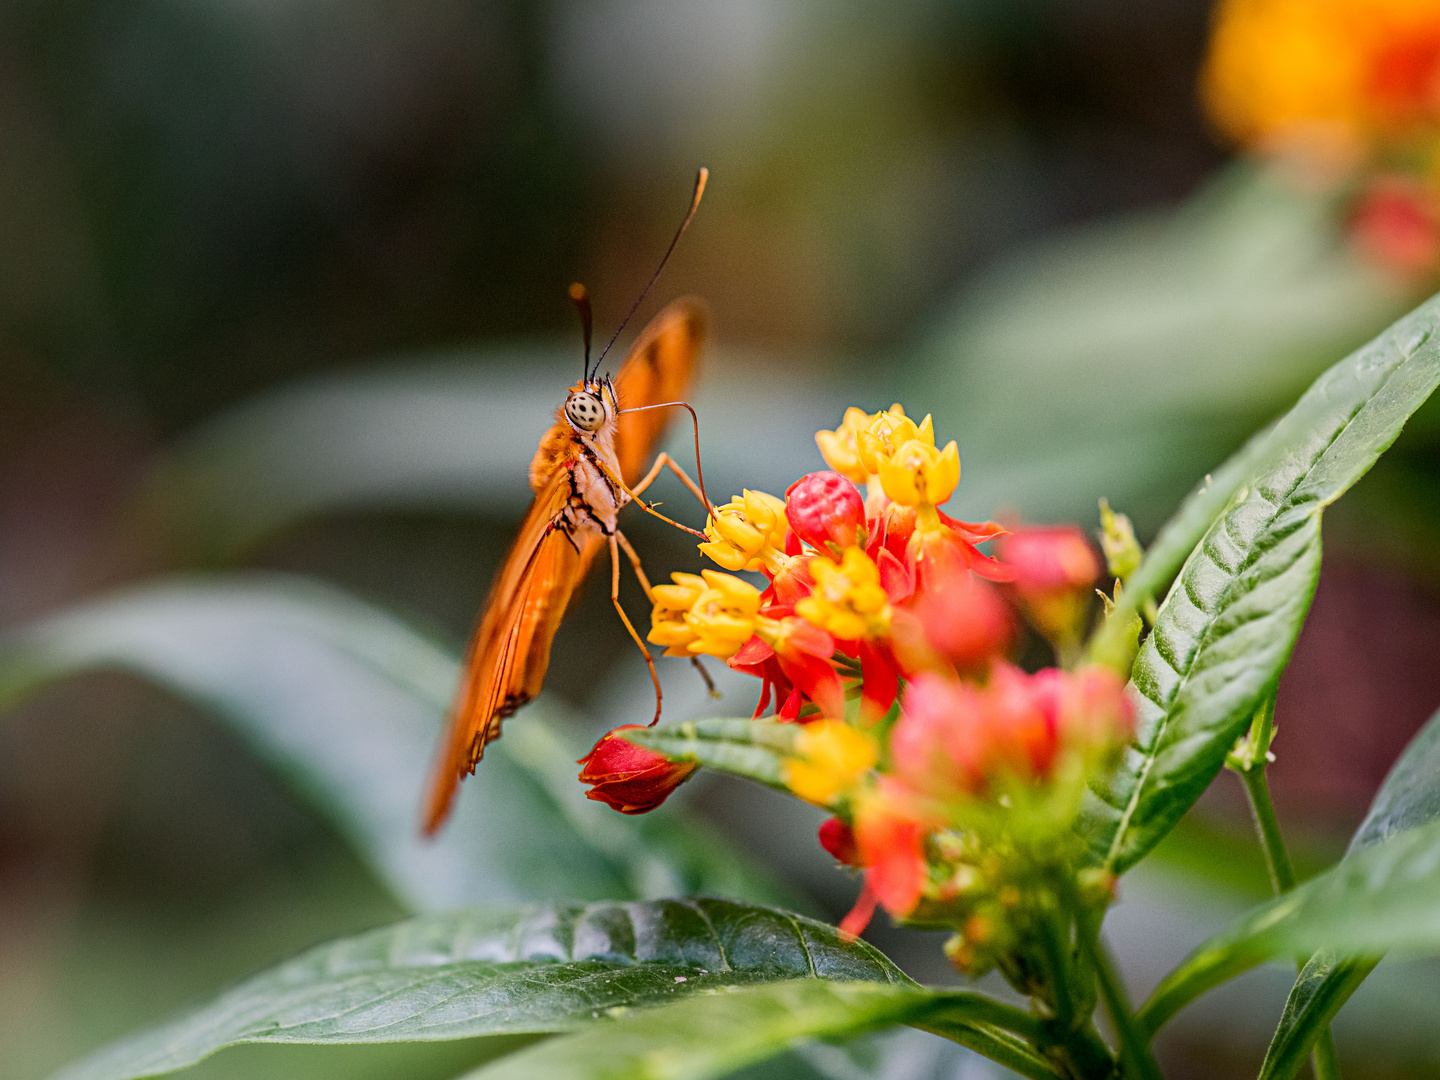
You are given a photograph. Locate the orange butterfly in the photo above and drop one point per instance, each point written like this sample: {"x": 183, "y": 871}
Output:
{"x": 586, "y": 468}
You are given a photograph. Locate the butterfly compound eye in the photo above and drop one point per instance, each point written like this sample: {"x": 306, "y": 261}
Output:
{"x": 585, "y": 411}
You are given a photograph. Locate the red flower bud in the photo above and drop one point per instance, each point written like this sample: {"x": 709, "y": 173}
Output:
{"x": 630, "y": 778}
{"x": 839, "y": 840}
{"x": 1055, "y": 569}
{"x": 825, "y": 508}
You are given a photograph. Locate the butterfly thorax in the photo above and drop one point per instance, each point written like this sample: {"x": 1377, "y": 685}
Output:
{"x": 589, "y": 458}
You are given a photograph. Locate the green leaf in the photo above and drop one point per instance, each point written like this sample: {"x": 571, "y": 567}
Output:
{"x": 346, "y": 703}
{"x": 504, "y": 970}
{"x": 1410, "y": 795}
{"x": 755, "y": 749}
{"x": 1373, "y": 901}
{"x": 1409, "y": 798}
{"x": 1322, "y": 987}
{"x": 713, "y": 1035}
{"x": 1229, "y": 624}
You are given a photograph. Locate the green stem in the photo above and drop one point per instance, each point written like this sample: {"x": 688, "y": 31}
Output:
{"x": 1267, "y": 825}
{"x": 1071, "y": 1030}
{"x": 1323, "y": 1058}
{"x": 1055, "y": 942}
{"x": 1251, "y": 771}
{"x": 1135, "y": 1056}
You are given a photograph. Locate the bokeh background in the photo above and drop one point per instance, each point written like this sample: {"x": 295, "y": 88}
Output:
{"x": 282, "y": 288}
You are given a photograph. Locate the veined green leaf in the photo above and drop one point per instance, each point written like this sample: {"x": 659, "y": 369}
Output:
{"x": 1229, "y": 624}
{"x": 755, "y": 749}
{"x": 1409, "y": 798}
{"x": 505, "y": 970}
{"x": 1373, "y": 901}
{"x": 729, "y": 1028}
{"x": 346, "y": 702}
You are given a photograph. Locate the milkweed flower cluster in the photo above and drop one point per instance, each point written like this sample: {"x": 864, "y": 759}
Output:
{"x": 1348, "y": 88}
{"x": 883, "y": 630}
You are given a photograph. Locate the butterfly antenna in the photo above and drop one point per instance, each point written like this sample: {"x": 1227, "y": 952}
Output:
{"x": 700, "y": 179}
{"x": 581, "y": 299}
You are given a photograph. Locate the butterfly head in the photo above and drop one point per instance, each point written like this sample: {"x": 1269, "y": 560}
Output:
{"x": 585, "y": 408}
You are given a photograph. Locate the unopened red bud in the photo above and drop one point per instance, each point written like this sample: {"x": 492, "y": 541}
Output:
{"x": 630, "y": 778}
{"x": 825, "y": 508}
{"x": 839, "y": 840}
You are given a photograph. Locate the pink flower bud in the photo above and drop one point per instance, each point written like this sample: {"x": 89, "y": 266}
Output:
{"x": 630, "y": 778}
{"x": 1095, "y": 711}
{"x": 940, "y": 745}
{"x": 953, "y": 738}
{"x": 825, "y": 508}
{"x": 1049, "y": 559}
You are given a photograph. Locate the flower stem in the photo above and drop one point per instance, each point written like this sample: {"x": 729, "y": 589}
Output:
{"x": 1072, "y": 1030}
{"x": 1135, "y": 1057}
{"x": 1249, "y": 762}
{"x": 1267, "y": 826}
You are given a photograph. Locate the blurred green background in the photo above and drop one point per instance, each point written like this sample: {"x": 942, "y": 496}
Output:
{"x": 282, "y": 287}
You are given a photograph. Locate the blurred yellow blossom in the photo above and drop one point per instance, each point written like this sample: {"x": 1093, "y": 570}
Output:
{"x": 831, "y": 758}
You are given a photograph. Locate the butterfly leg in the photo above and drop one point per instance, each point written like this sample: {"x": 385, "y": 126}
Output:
{"x": 621, "y": 485}
{"x": 645, "y": 584}
{"x": 665, "y": 461}
{"x": 634, "y": 564}
{"x": 615, "y": 541}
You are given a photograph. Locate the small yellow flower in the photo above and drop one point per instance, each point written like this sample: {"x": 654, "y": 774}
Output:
{"x": 848, "y": 600}
{"x": 917, "y": 473}
{"x": 831, "y": 758}
{"x": 888, "y": 431}
{"x": 838, "y": 447}
{"x": 667, "y": 618}
{"x": 747, "y": 531}
{"x": 724, "y": 616}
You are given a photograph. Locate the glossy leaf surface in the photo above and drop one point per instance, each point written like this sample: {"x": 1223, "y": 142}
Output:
{"x": 1229, "y": 624}
{"x": 495, "y": 971}
{"x": 713, "y": 1035}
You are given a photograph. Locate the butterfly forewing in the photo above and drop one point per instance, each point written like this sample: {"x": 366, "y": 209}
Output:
{"x": 658, "y": 369}
{"x": 510, "y": 651}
